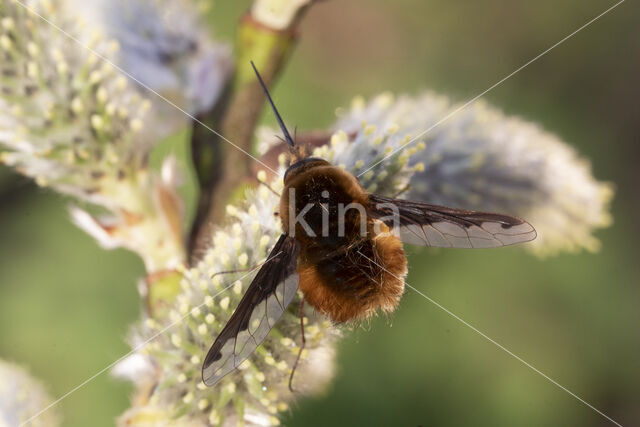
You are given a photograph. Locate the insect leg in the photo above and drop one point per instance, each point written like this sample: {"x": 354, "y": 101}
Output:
{"x": 269, "y": 187}
{"x": 402, "y": 191}
{"x": 240, "y": 270}
{"x": 295, "y": 365}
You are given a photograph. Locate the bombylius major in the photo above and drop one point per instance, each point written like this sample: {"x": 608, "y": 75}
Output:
{"x": 348, "y": 263}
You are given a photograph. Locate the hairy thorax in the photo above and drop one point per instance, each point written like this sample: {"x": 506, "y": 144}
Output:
{"x": 348, "y": 269}
{"x": 322, "y": 206}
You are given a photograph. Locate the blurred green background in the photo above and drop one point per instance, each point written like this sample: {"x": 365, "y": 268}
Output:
{"x": 65, "y": 304}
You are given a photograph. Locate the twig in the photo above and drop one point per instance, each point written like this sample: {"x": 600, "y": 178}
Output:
{"x": 223, "y": 170}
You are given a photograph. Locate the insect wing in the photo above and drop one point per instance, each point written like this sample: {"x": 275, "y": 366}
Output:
{"x": 440, "y": 226}
{"x": 264, "y": 302}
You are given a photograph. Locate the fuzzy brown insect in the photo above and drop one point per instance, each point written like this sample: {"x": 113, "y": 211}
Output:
{"x": 337, "y": 276}
{"x": 342, "y": 247}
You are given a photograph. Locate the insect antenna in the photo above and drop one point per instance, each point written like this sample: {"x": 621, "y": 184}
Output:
{"x": 266, "y": 184}
{"x": 275, "y": 110}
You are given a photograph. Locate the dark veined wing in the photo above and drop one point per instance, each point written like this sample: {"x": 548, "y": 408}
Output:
{"x": 443, "y": 227}
{"x": 264, "y": 302}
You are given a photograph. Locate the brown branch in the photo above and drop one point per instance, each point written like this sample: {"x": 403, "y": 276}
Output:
{"x": 222, "y": 169}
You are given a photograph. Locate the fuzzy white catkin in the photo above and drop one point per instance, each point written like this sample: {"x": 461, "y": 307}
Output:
{"x": 483, "y": 160}
{"x": 164, "y": 45}
{"x": 258, "y": 391}
{"x": 21, "y": 397}
{"x": 72, "y": 122}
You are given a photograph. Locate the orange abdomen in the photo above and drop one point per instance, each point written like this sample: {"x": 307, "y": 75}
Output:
{"x": 348, "y": 286}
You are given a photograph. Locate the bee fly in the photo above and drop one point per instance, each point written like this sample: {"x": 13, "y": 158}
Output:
{"x": 348, "y": 262}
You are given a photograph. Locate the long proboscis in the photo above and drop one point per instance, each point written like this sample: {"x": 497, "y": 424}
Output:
{"x": 287, "y": 135}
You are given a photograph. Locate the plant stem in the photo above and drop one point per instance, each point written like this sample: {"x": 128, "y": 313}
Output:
{"x": 222, "y": 169}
